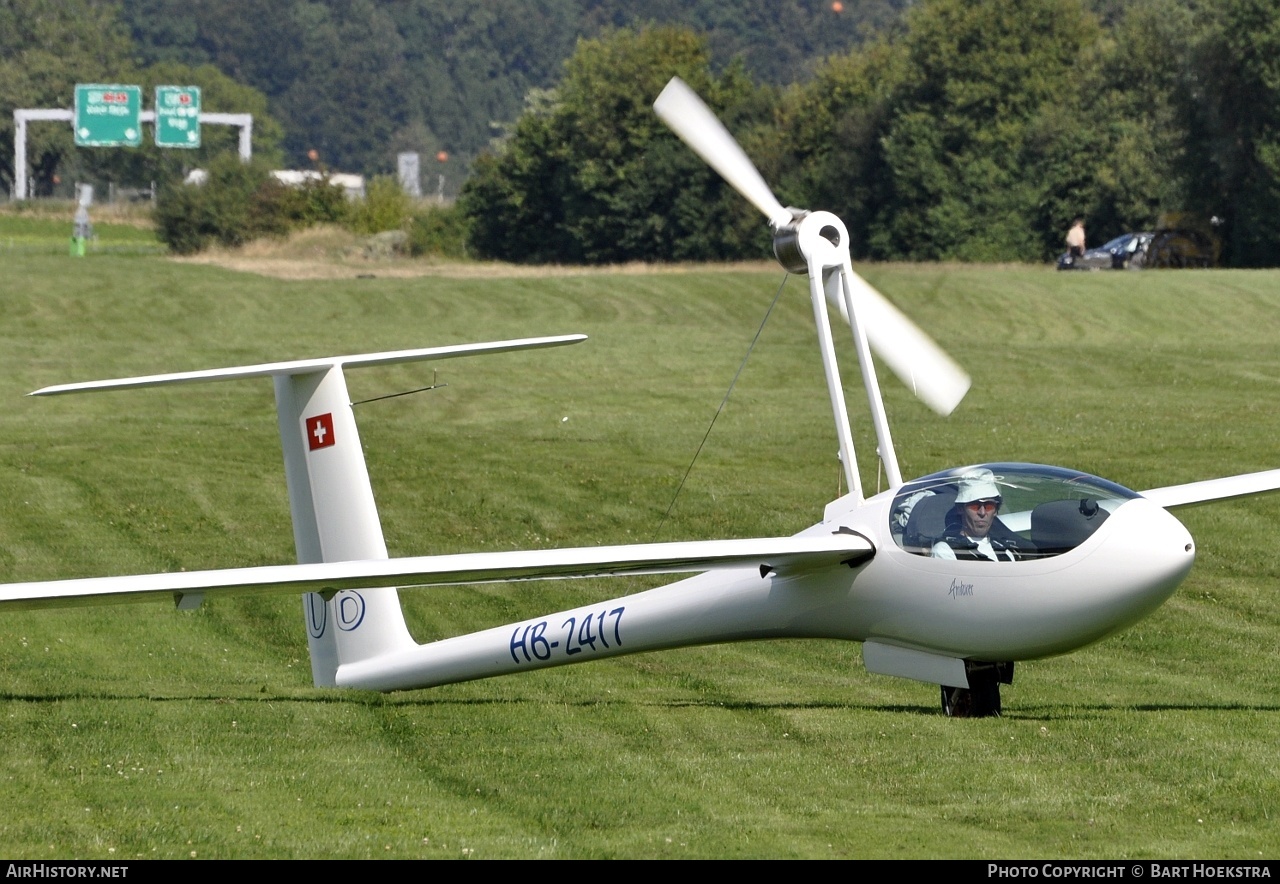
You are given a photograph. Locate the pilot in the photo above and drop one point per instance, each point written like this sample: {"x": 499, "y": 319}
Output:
{"x": 973, "y": 531}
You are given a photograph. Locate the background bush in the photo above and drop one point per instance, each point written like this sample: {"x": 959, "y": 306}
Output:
{"x": 316, "y": 201}
{"x": 438, "y": 230}
{"x": 240, "y": 202}
{"x": 384, "y": 207}
{"x": 235, "y": 204}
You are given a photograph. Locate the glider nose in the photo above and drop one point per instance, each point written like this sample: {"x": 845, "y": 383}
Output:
{"x": 1151, "y": 553}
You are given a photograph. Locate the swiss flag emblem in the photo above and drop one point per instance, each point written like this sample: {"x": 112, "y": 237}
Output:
{"x": 320, "y": 431}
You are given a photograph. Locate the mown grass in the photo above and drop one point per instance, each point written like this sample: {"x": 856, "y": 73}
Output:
{"x": 45, "y": 228}
{"x": 140, "y": 731}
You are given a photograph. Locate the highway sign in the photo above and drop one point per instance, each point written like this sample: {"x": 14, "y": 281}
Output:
{"x": 107, "y": 115}
{"x": 177, "y": 116}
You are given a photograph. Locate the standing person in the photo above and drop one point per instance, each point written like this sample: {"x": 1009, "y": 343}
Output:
{"x": 1075, "y": 238}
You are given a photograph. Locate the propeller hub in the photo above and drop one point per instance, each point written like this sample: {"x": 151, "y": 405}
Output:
{"x": 819, "y": 235}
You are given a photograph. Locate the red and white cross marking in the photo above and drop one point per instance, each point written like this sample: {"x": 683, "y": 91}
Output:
{"x": 320, "y": 431}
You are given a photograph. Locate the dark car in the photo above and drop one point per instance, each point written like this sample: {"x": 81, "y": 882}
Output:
{"x": 1124, "y": 252}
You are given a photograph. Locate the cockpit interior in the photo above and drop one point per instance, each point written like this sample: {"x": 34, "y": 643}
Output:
{"x": 1042, "y": 511}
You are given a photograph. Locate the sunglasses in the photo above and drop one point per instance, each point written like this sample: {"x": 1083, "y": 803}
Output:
{"x": 978, "y": 506}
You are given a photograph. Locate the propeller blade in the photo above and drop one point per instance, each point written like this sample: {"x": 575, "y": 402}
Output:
{"x": 913, "y": 356}
{"x": 933, "y": 376}
{"x": 681, "y": 109}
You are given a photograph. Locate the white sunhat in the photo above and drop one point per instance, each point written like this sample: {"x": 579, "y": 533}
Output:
{"x": 977, "y": 485}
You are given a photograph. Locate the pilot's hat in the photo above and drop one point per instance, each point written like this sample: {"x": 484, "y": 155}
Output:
{"x": 977, "y": 485}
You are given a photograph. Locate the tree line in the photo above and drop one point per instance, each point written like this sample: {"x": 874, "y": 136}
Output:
{"x": 938, "y": 129}
{"x": 46, "y": 48}
{"x": 976, "y": 131}
{"x": 359, "y": 81}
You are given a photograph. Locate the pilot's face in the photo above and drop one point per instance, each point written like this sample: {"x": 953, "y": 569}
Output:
{"x": 978, "y": 515}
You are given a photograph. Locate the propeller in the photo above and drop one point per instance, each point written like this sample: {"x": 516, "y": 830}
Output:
{"x": 913, "y": 356}
{"x": 681, "y": 109}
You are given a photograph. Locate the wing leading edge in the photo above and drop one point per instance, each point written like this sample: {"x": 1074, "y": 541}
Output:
{"x": 1214, "y": 489}
{"x": 781, "y": 555}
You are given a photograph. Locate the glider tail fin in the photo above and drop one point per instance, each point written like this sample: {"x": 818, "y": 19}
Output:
{"x": 335, "y": 518}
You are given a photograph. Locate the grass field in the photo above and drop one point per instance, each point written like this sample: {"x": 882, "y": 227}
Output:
{"x": 141, "y": 731}
{"x": 45, "y": 228}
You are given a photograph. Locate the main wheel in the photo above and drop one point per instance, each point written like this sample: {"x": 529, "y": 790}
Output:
{"x": 980, "y": 700}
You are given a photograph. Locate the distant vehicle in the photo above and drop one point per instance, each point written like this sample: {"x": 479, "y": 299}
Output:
{"x": 1127, "y": 252}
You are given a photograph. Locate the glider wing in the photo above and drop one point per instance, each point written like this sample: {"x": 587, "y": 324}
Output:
{"x": 779, "y": 555}
{"x": 1215, "y": 489}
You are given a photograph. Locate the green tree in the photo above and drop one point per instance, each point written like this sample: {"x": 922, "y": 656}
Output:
{"x": 959, "y": 148}
{"x": 237, "y": 203}
{"x": 1111, "y": 150}
{"x": 473, "y": 64}
{"x": 385, "y": 206}
{"x": 829, "y": 154}
{"x": 335, "y": 73}
{"x": 45, "y": 49}
{"x": 593, "y": 175}
{"x": 359, "y": 80}
{"x": 777, "y": 41}
{"x": 350, "y": 91}
{"x": 514, "y": 200}
{"x": 446, "y": 75}
{"x": 1232, "y": 120}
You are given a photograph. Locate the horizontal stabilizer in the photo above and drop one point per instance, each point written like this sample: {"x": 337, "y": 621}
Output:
{"x": 1214, "y": 489}
{"x": 306, "y": 366}
{"x": 779, "y": 555}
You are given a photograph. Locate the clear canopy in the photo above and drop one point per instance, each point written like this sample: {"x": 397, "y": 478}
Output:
{"x": 1040, "y": 510}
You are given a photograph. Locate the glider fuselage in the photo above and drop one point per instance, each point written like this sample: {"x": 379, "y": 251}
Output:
{"x": 1040, "y": 605}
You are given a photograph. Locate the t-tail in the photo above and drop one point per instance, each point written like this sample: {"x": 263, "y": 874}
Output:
{"x": 335, "y": 517}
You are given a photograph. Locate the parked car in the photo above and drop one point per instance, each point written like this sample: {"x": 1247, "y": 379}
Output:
{"x": 1124, "y": 252}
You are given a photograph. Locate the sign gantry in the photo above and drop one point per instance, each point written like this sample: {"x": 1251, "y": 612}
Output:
{"x": 111, "y": 115}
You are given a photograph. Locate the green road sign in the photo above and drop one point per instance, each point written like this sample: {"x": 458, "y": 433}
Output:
{"x": 107, "y": 115}
{"x": 177, "y": 116}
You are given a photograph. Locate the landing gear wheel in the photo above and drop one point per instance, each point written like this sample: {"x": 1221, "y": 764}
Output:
{"x": 982, "y": 698}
